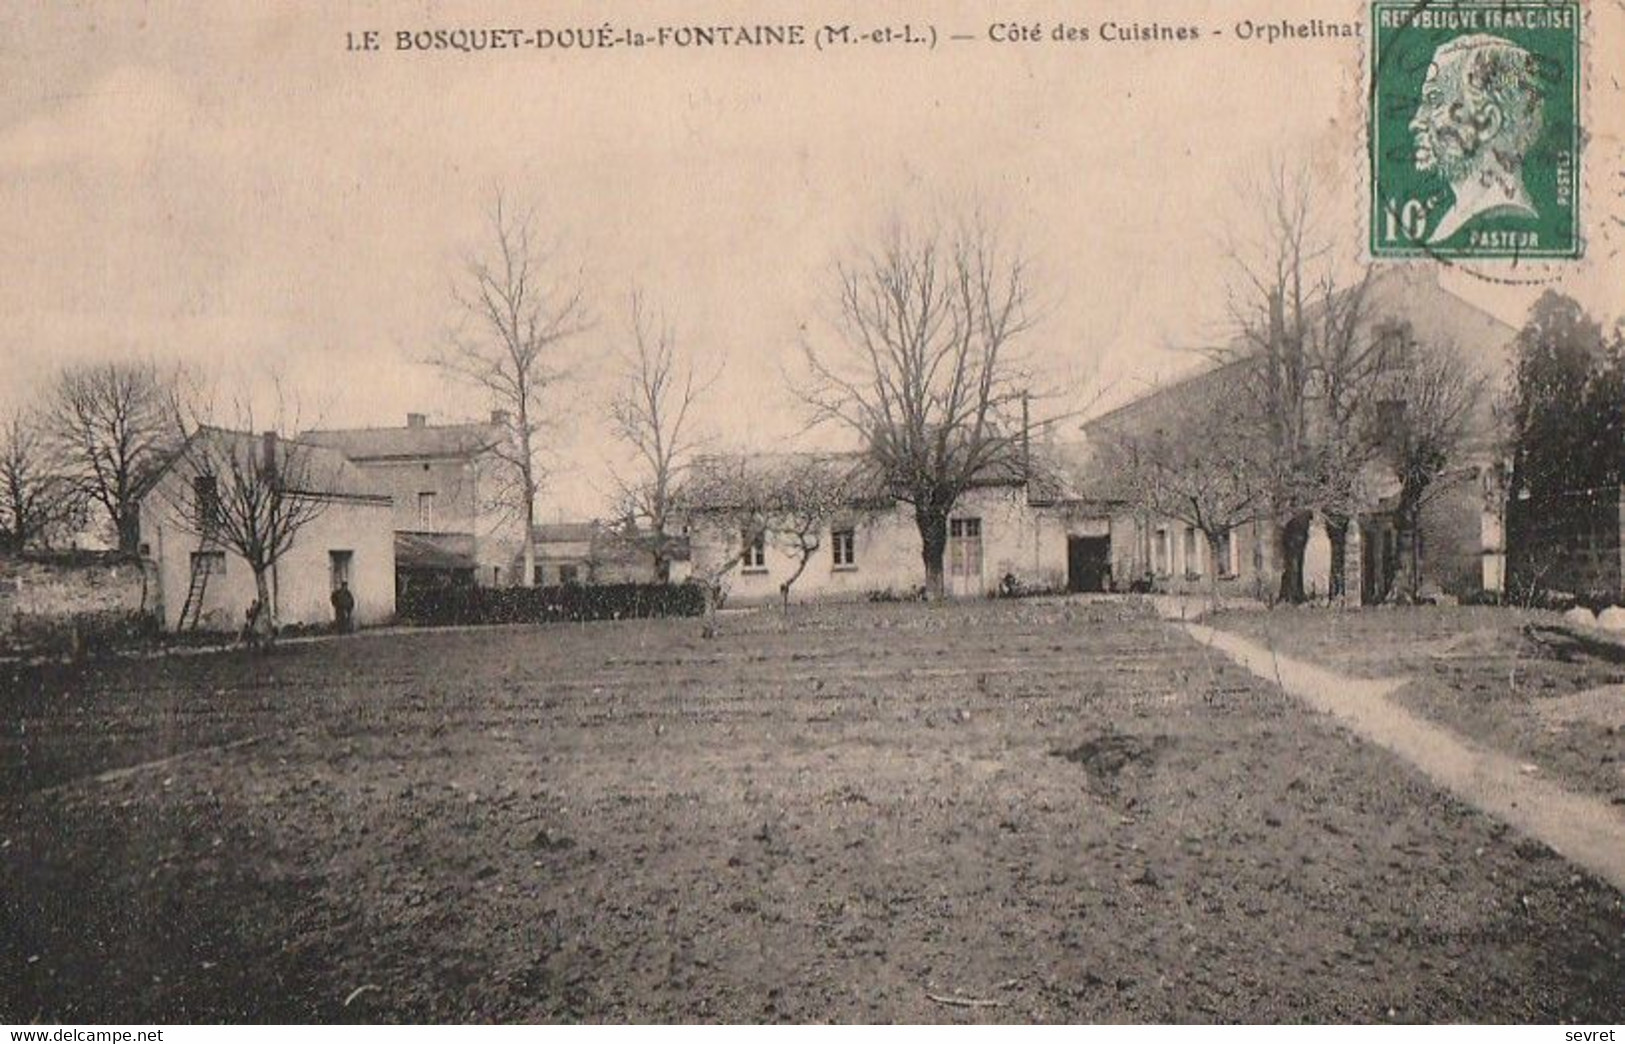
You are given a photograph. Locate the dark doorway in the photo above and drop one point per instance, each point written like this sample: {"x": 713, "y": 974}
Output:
{"x": 1379, "y": 561}
{"x": 1088, "y": 563}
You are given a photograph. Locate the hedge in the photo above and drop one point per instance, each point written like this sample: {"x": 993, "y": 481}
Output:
{"x": 575, "y": 602}
{"x": 89, "y": 633}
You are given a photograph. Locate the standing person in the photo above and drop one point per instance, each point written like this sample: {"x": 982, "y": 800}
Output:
{"x": 343, "y": 607}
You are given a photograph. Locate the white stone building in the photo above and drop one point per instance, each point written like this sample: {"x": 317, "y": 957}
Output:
{"x": 451, "y": 490}
{"x": 1030, "y": 535}
{"x": 202, "y": 583}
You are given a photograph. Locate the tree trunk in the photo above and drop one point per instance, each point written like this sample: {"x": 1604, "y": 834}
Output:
{"x": 933, "y": 527}
{"x": 709, "y": 629}
{"x": 527, "y": 557}
{"x": 1408, "y": 520}
{"x": 1292, "y": 537}
{"x": 527, "y": 546}
{"x": 1416, "y": 559}
{"x": 17, "y": 537}
{"x": 659, "y": 552}
{"x": 129, "y": 530}
{"x": 789, "y": 581}
{"x": 265, "y": 622}
{"x": 1409, "y": 579}
{"x": 1213, "y": 569}
{"x": 527, "y": 483}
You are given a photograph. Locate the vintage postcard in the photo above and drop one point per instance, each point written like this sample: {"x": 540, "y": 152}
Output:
{"x": 923, "y": 511}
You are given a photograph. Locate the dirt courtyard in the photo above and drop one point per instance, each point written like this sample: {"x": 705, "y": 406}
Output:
{"x": 1000, "y": 811}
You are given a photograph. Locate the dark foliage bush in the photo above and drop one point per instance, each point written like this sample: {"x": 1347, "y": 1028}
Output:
{"x": 505, "y": 605}
{"x": 912, "y": 594}
{"x": 1013, "y": 586}
{"x": 304, "y": 630}
{"x": 1561, "y": 601}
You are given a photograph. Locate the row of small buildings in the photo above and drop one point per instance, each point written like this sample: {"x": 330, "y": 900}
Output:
{"x": 397, "y": 510}
{"x": 412, "y": 506}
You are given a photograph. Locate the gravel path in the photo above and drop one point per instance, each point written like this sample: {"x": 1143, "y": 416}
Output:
{"x": 1583, "y": 829}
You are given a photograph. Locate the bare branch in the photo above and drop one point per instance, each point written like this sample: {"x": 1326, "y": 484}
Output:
{"x": 520, "y": 313}
{"x": 112, "y": 425}
{"x": 925, "y": 368}
{"x": 39, "y": 502}
{"x": 653, "y": 415}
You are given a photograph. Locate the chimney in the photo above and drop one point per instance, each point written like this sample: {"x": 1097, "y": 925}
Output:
{"x": 269, "y": 440}
{"x": 501, "y": 417}
{"x": 416, "y": 420}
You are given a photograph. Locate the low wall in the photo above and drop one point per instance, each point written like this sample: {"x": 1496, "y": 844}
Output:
{"x": 38, "y": 589}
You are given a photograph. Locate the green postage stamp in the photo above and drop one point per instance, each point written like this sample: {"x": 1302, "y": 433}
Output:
{"x": 1475, "y": 136}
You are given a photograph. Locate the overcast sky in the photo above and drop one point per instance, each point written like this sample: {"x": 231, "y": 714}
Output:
{"x": 227, "y": 185}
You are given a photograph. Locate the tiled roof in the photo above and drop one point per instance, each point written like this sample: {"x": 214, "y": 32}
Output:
{"x": 1412, "y": 294}
{"x": 564, "y": 532}
{"x": 714, "y": 477}
{"x": 1070, "y": 472}
{"x": 439, "y": 440}
{"x": 604, "y": 541}
{"x": 316, "y": 469}
{"x": 865, "y": 482}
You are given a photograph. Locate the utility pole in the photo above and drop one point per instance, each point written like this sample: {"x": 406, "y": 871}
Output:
{"x": 1026, "y": 442}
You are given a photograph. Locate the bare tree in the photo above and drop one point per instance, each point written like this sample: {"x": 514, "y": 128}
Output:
{"x": 521, "y": 311}
{"x": 37, "y": 500}
{"x": 1436, "y": 392}
{"x": 1199, "y": 466}
{"x": 1306, "y": 336}
{"x": 112, "y": 425}
{"x": 737, "y": 502}
{"x": 651, "y": 414}
{"x": 926, "y": 370}
{"x": 1351, "y": 359}
{"x": 806, "y": 496}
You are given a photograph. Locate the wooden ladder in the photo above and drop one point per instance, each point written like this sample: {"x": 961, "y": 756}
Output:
{"x": 193, "y": 606}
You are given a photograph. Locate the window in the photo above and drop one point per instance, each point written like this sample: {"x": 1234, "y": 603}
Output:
{"x": 206, "y": 500}
{"x": 426, "y": 511}
{"x": 843, "y": 545}
{"x": 965, "y": 547}
{"x": 338, "y": 567}
{"x": 1160, "y": 563}
{"x": 1193, "y": 560}
{"x": 569, "y": 575}
{"x": 209, "y": 563}
{"x": 755, "y": 556}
